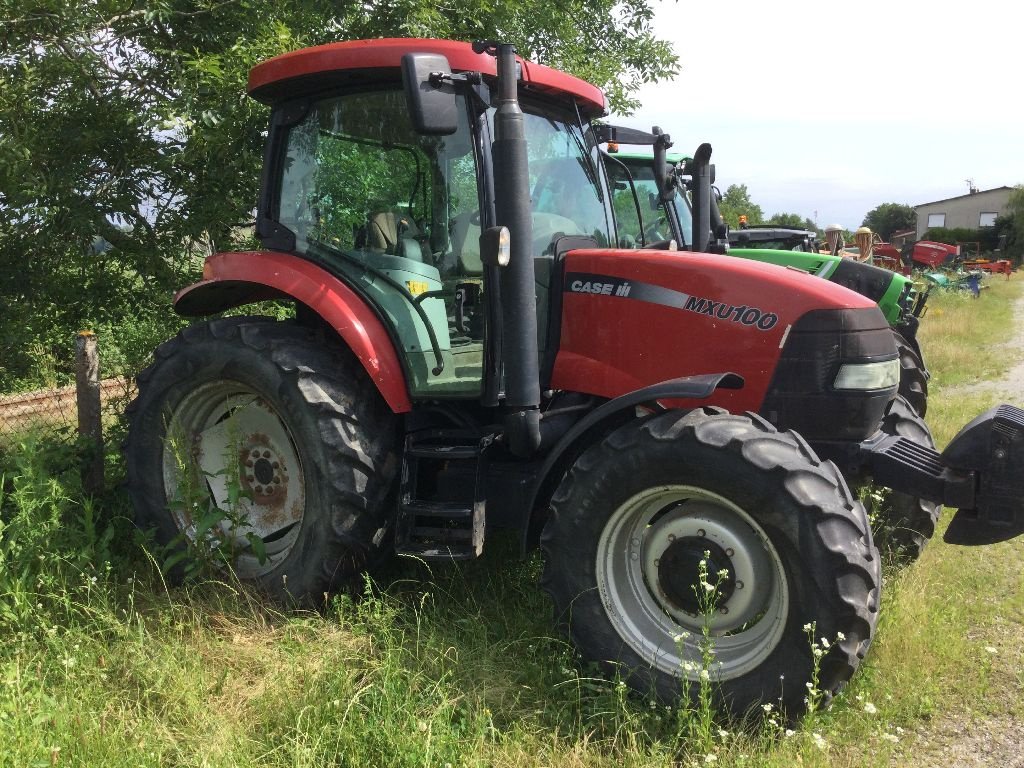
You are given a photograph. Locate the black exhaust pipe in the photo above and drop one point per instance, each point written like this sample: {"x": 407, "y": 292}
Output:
{"x": 518, "y": 295}
{"x": 699, "y": 170}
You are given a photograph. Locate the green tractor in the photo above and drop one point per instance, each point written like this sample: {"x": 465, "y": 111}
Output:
{"x": 667, "y": 214}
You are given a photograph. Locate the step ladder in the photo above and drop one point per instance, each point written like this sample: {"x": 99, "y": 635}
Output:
{"x": 448, "y": 529}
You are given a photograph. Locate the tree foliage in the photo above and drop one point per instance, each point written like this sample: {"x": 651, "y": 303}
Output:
{"x": 736, "y": 202}
{"x": 793, "y": 221}
{"x": 888, "y": 218}
{"x": 1011, "y": 224}
{"x": 125, "y": 126}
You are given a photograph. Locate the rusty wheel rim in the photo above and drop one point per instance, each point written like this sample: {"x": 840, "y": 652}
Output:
{"x": 233, "y": 476}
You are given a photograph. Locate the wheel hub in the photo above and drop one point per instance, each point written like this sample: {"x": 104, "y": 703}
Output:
{"x": 263, "y": 471}
{"x": 679, "y": 573}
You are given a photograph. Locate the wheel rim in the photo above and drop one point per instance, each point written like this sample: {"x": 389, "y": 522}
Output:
{"x": 228, "y": 446}
{"x": 646, "y": 605}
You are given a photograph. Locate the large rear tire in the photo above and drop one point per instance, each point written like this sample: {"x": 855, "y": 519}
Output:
{"x": 279, "y": 424}
{"x": 913, "y": 376}
{"x": 903, "y": 524}
{"x": 632, "y": 519}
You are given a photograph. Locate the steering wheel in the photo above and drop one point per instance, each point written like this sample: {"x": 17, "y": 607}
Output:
{"x": 653, "y": 233}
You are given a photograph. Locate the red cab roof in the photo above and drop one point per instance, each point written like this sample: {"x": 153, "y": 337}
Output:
{"x": 267, "y": 78}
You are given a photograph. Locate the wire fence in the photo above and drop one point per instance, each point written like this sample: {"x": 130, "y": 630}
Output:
{"x": 73, "y": 415}
{"x": 53, "y": 413}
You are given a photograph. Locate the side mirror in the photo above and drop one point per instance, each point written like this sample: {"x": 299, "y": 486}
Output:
{"x": 430, "y": 94}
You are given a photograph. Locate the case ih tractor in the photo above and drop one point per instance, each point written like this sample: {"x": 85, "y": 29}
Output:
{"x": 468, "y": 353}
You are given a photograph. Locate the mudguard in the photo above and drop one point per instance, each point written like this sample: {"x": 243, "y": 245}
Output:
{"x": 687, "y": 388}
{"x": 234, "y": 279}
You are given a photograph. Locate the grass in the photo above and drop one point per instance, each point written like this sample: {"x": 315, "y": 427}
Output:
{"x": 102, "y": 665}
{"x": 960, "y": 334}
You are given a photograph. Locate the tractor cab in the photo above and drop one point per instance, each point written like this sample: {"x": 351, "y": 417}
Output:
{"x": 654, "y": 222}
{"x": 398, "y": 213}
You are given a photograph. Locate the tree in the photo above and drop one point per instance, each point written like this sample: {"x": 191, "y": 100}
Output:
{"x": 128, "y": 122}
{"x": 736, "y": 202}
{"x": 793, "y": 221}
{"x": 888, "y": 218}
{"x": 1011, "y": 224}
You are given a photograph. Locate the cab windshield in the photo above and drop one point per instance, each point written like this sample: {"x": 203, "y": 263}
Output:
{"x": 398, "y": 214}
{"x": 656, "y": 225}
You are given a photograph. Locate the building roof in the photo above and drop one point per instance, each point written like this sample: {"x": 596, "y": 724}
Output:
{"x": 961, "y": 197}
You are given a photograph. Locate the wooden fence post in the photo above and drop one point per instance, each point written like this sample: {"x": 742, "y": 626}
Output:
{"x": 90, "y": 417}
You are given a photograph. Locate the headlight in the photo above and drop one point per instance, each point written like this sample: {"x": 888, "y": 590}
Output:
{"x": 868, "y": 375}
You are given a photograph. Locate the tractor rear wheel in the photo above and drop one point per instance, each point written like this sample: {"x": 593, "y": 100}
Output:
{"x": 264, "y": 440}
{"x": 913, "y": 376}
{"x": 903, "y": 524}
{"x": 784, "y": 544}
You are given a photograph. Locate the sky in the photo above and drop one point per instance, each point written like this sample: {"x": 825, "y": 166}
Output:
{"x": 829, "y": 109}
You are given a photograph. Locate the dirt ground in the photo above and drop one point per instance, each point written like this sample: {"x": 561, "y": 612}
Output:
{"x": 980, "y": 738}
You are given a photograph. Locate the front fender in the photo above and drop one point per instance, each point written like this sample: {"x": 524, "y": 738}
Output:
{"x": 233, "y": 279}
{"x": 602, "y": 420}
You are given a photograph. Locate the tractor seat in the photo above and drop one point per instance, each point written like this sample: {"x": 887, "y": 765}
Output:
{"x": 393, "y": 232}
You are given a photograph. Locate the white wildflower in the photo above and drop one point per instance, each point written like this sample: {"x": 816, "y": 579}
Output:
{"x": 808, "y": 627}
{"x": 891, "y": 737}
{"x": 870, "y": 708}
{"x": 991, "y": 649}
{"x": 819, "y": 740}
{"x": 840, "y": 637}
{"x": 710, "y": 759}
{"x": 825, "y": 643}
{"x": 789, "y": 732}
{"x": 705, "y": 675}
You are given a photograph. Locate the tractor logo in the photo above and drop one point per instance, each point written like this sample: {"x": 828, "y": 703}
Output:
{"x": 605, "y": 285}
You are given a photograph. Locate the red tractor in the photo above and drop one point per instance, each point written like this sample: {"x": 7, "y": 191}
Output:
{"x": 468, "y": 353}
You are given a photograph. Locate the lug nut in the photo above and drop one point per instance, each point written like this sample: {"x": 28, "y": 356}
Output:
{"x": 702, "y": 533}
{"x": 723, "y": 610}
{"x": 739, "y": 585}
{"x": 729, "y": 553}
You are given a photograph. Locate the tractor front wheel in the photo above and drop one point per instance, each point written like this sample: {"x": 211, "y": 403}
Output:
{"x": 265, "y": 444}
{"x": 707, "y": 522}
{"x": 903, "y": 524}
